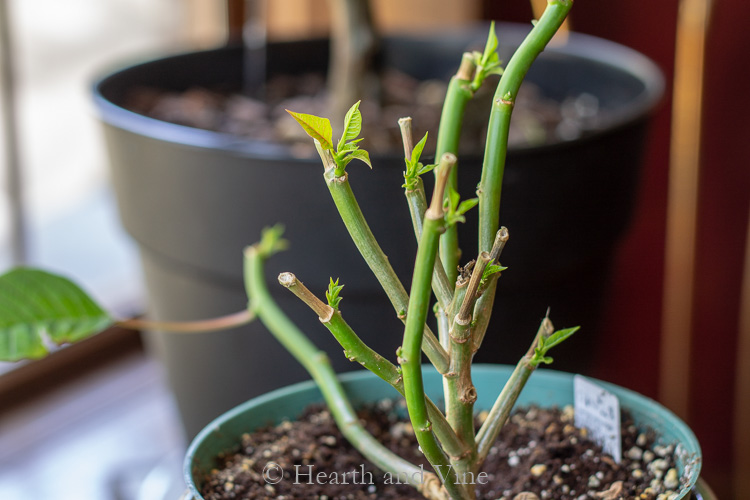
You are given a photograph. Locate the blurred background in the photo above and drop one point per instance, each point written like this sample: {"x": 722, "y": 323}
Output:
{"x": 98, "y": 422}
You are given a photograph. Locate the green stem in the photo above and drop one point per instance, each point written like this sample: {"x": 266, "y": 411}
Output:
{"x": 483, "y": 308}
{"x": 451, "y": 388}
{"x": 409, "y": 354}
{"x": 497, "y": 130}
{"x": 500, "y": 411}
{"x": 376, "y": 259}
{"x": 356, "y": 350}
{"x": 318, "y": 366}
{"x": 417, "y": 207}
{"x": 461, "y": 420}
{"x": 417, "y": 201}
{"x": 459, "y": 93}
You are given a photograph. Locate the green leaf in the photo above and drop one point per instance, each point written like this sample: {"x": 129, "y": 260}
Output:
{"x": 332, "y": 294}
{"x": 492, "y": 269}
{"x": 359, "y": 154}
{"x": 454, "y": 210}
{"x": 271, "y": 241}
{"x": 350, "y": 146}
{"x": 559, "y": 336}
{"x": 540, "y": 357}
{"x": 453, "y": 198}
{"x": 417, "y": 151}
{"x": 491, "y": 45}
{"x": 39, "y": 308}
{"x": 423, "y": 169}
{"x": 493, "y": 70}
{"x": 316, "y": 127}
{"x": 467, "y": 205}
{"x": 352, "y": 125}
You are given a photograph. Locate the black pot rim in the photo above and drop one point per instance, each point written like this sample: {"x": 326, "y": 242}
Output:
{"x": 588, "y": 47}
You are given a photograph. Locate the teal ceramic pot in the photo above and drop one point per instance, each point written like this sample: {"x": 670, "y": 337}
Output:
{"x": 545, "y": 388}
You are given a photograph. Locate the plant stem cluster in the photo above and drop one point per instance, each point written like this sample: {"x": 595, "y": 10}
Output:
{"x": 461, "y": 297}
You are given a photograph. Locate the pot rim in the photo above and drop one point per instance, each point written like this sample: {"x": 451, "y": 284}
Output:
{"x": 580, "y": 45}
{"x": 682, "y": 434}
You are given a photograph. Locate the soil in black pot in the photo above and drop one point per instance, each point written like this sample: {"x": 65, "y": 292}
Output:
{"x": 538, "y": 451}
{"x": 537, "y": 120}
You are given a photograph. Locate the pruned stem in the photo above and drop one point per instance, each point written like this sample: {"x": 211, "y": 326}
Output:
{"x": 376, "y": 259}
{"x": 483, "y": 307}
{"x": 464, "y": 315}
{"x": 202, "y": 326}
{"x": 409, "y": 354}
{"x": 407, "y": 137}
{"x": 318, "y": 366}
{"x": 500, "y": 411}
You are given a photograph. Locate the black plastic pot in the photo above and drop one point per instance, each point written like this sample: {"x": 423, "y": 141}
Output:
{"x": 193, "y": 199}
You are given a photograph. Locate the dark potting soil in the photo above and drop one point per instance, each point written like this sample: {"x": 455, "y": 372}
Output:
{"x": 536, "y": 119}
{"x": 538, "y": 451}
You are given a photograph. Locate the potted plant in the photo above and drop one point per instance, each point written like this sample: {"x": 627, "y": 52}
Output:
{"x": 184, "y": 195}
{"x": 455, "y": 450}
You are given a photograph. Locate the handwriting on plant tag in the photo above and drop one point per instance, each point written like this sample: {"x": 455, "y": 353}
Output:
{"x": 599, "y": 412}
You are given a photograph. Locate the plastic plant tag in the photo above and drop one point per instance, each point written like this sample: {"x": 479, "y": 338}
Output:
{"x": 599, "y": 412}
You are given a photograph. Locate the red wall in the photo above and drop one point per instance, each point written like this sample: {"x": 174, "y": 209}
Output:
{"x": 629, "y": 349}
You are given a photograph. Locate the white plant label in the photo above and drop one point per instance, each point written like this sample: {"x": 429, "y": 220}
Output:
{"x": 598, "y": 411}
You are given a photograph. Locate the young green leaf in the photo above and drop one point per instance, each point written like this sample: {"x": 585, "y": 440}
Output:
{"x": 560, "y": 336}
{"x": 416, "y": 153}
{"x": 349, "y": 146}
{"x": 332, "y": 294}
{"x": 453, "y": 198}
{"x": 491, "y": 270}
{"x": 488, "y": 62}
{"x": 490, "y": 47}
{"x": 359, "y": 154}
{"x": 352, "y": 126}
{"x": 547, "y": 343}
{"x": 455, "y": 211}
{"x": 38, "y": 308}
{"x": 423, "y": 169}
{"x": 271, "y": 241}
{"x": 316, "y": 127}
{"x": 467, "y": 205}
{"x": 414, "y": 169}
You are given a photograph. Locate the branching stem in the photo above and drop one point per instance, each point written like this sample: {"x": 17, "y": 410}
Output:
{"x": 376, "y": 259}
